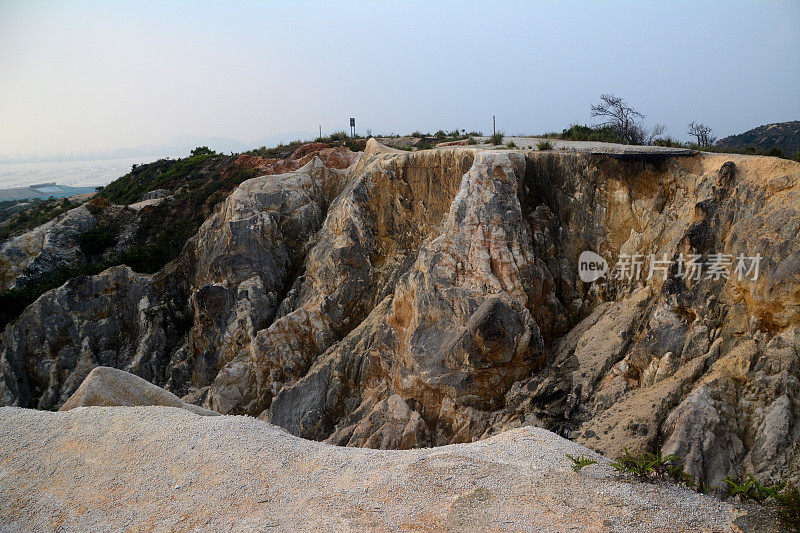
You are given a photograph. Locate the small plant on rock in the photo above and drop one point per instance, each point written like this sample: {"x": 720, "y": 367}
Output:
{"x": 497, "y": 138}
{"x": 785, "y": 498}
{"x": 753, "y": 489}
{"x": 649, "y": 465}
{"x": 580, "y": 461}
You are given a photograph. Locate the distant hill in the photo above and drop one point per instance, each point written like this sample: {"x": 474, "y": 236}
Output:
{"x": 783, "y": 135}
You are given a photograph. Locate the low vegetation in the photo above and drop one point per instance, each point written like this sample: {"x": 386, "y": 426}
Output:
{"x": 580, "y": 461}
{"x": 148, "y": 257}
{"x": 544, "y": 145}
{"x": 190, "y": 174}
{"x": 577, "y": 132}
{"x": 788, "y": 508}
{"x": 657, "y": 467}
{"x": 429, "y": 140}
{"x": 782, "y": 497}
{"x": 751, "y": 488}
{"x": 14, "y": 301}
{"x": 750, "y": 150}
{"x": 17, "y": 217}
{"x": 197, "y": 182}
{"x": 497, "y": 138}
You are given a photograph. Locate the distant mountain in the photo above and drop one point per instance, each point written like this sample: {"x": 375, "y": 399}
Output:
{"x": 783, "y": 135}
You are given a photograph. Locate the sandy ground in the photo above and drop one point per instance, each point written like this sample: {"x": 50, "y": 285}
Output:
{"x": 166, "y": 469}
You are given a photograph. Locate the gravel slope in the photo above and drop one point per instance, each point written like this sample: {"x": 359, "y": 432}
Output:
{"x": 166, "y": 469}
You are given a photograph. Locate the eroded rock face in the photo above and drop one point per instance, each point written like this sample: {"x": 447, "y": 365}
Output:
{"x": 45, "y": 249}
{"x": 426, "y": 298}
{"x": 112, "y": 319}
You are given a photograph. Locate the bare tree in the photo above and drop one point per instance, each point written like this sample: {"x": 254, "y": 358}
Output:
{"x": 702, "y": 133}
{"x": 621, "y": 117}
{"x": 657, "y": 131}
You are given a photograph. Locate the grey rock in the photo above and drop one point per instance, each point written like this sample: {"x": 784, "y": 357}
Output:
{"x": 44, "y": 249}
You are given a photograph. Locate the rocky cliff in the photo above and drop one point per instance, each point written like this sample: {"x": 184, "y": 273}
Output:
{"x": 433, "y": 297}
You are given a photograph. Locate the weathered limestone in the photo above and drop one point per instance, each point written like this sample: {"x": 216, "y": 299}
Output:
{"x": 427, "y": 298}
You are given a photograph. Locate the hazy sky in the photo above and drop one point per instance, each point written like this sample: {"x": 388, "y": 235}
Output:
{"x": 100, "y": 75}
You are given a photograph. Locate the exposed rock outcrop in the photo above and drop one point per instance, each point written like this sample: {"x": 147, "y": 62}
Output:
{"x": 44, "y": 249}
{"x": 113, "y": 319}
{"x": 433, "y": 297}
{"x": 107, "y": 387}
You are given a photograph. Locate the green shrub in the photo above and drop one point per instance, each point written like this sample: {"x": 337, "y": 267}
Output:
{"x": 339, "y": 136}
{"x": 511, "y": 144}
{"x": 96, "y": 240}
{"x": 580, "y": 461}
{"x": 202, "y": 150}
{"x": 669, "y": 142}
{"x": 471, "y": 141}
{"x": 752, "y": 489}
{"x": 497, "y": 138}
{"x": 577, "y": 132}
{"x": 649, "y": 465}
{"x": 544, "y": 145}
{"x": 356, "y": 145}
{"x": 785, "y": 498}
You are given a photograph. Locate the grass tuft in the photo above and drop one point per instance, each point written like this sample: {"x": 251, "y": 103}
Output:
{"x": 497, "y": 138}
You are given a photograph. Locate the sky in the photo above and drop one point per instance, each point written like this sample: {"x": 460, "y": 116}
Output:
{"x": 92, "y": 76}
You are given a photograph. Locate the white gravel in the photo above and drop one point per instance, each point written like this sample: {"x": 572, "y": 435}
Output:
{"x": 166, "y": 469}
{"x": 591, "y": 147}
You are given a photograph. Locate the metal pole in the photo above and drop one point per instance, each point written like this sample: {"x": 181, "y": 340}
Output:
{"x": 320, "y": 131}
{"x": 494, "y": 129}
